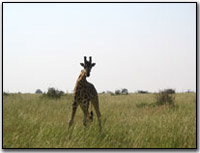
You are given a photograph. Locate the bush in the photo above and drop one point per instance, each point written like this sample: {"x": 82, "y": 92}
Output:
{"x": 142, "y": 92}
{"x": 103, "y": 92}
{"x": 38, "y": 91}
{"x": 124, "y": 91}
{"x": 117, "y": 92}
{"x": 52, "y": 93}
{"x": 5, "y": 94}
{"x": 112, "y": 94}
{"x": 170, "y": 91}
{"x": 164, "y": 97}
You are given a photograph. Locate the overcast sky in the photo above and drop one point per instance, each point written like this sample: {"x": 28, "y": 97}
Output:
{"x": 138, "y": 46}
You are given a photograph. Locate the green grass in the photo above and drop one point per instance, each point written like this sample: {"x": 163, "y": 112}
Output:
{"x": 30, "y": 121}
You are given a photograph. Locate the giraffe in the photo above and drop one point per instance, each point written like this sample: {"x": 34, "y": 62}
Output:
{"x": 84, "y": 94}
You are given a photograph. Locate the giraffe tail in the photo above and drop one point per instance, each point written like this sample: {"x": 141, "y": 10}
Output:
{"x": 91, "y": 113}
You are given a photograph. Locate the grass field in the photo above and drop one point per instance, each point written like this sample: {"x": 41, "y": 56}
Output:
{"x": 30, "y": 121}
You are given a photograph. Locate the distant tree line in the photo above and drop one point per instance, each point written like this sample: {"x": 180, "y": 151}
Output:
{"x": 122, "y": 91}
{"x": 169, "y": 91}
{"x": 142, "y": 92}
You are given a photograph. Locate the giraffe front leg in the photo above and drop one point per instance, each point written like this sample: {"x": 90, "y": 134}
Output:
{"x": 74, "y": 107}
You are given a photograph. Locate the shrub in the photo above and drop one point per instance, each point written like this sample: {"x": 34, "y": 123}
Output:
{"x": 103, "y": 92}
{"x": 164, "y": 97}
{"x": 170, "y": 91}
{"x": 117, "y": 92}
{"x": 142, "y": 92}
{"x": 52, "y": 93}
{"x": 5, "y": 94}
{"x": 38, "y": 91}
{"x": 112, "y": 94}
{"x": 124, "y": 91}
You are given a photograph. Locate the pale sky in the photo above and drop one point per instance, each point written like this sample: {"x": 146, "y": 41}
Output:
{"x": 138, "y": 46}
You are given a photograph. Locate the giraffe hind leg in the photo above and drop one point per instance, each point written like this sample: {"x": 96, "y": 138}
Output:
{"x": 74, "y": 108}
{"x": 96, "y": 107}
{"x": 84, "y": 107}
{"x": 89, "y": 115}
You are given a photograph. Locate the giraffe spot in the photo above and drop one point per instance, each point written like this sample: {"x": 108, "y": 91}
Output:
{"x": 78, "y": 93}
{"x": 75, "y": 97}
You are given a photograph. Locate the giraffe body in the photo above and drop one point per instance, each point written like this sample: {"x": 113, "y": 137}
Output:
{"x": 85, "y": 95}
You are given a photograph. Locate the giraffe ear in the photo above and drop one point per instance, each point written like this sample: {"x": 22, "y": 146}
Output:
{"x": 82, "y": 64}
{"x": 93, "y": 64}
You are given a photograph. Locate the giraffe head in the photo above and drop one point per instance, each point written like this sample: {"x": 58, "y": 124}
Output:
{"x": 87, "y": 65}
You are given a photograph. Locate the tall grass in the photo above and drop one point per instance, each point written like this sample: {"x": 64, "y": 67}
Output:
{"x": 31, "y": 121}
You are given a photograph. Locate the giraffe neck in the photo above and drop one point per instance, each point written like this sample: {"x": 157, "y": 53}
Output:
{"x": 81, "y": 81}
{"x": 82, "y": 77}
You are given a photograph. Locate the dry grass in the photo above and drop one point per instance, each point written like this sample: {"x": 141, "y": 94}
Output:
{"x": 30, "y": 121}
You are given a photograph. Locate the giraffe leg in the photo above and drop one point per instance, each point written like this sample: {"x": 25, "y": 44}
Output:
{"x": 85, "y": 106}
{"x": 74, "y": 107}
{"x": 96, "y": 107}
{"x": 90, "y": 115}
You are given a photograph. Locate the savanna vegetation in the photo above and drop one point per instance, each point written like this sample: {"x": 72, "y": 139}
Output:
{"x": 128, "y": 121}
